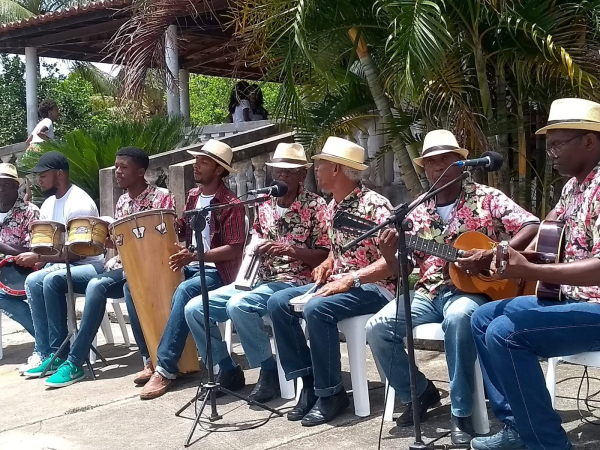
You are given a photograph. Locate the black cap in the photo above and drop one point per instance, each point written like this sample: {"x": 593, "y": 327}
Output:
{"x": 51, "y": 161}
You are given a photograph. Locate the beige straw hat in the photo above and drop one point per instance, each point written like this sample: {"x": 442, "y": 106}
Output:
{"x": 289, "y": 156}
{"x": 341, "y": 151}
{"x": 8, "y": 171}
{"x": 218, "y": 151}
{"x": 573, "y": 114}
{"x": 438, "y": 142}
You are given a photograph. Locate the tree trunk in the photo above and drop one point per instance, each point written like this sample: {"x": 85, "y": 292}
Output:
{"x": 502, "y": 137}
{"x": 522, "y": 146}
{"x": 407, "y": 170}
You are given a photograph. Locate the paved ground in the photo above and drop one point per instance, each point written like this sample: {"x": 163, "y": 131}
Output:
{"x": 107, "y": 413}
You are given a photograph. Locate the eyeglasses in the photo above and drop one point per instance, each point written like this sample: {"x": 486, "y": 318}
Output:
{"x": 555, "y": 150}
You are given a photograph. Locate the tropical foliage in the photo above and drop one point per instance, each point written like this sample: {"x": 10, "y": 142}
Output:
{"x": 89, "y": 150}
{"x": 11, "y": 10}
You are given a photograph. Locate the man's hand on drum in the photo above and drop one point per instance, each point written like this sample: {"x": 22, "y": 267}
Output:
{"x": 322, "y": 272}
{"x": 182, "y": 258}
{"x": 27, "y": 259}
{"x": 272, "y": 248}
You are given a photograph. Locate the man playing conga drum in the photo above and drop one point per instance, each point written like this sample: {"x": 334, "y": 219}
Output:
{"x": 223, "y": 240}
{"x": 294, "y": 241}
{"x": 354, "y": 283}
{"x": 46, "y": 288}
{"x": 16, "y": 216}
{"x": 130, "y": 167}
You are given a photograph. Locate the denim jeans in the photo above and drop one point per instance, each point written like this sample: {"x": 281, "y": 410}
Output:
{"x": 510, "y": 336}
{"x": 107, "y": 284}
{"x": 453, "y": 309}
{"x": 250, "y": 329}
{"x": 183, "y": 293}
{"x": 16, "y": 307}
{"x": 46, "y": 290}
{"x": 322, "y": 315}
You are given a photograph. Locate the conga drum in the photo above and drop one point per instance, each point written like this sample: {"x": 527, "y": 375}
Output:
{"x": 47, "y": 237}
{"x": 145, "y": 242}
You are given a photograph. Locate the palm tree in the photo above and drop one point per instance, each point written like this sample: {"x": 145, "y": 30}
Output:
{"x": 11, "y": 10}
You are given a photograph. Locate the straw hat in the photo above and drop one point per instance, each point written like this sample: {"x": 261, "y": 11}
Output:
{"x": 341, "y": 151}
{"x": 289, "y": 156}
{"x": 8, "y": 171}
{"x": 218, "y": 151}
{"x": 573, "y": 114}
{"x": 438, "y": 142}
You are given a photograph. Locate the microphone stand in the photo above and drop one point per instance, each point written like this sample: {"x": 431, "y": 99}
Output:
{"x": 211, "y": 388}
{"x": 402, "y": 224}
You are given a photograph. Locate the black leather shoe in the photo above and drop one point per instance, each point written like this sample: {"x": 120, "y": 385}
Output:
{"x": 326, "y": 409}
{"x": 267, "y": 387}
{"x": 305, "y": 403}
{"x": 461, "y": 431}
{"x": 427, "y": 400}
{"x": 232, "y": 379}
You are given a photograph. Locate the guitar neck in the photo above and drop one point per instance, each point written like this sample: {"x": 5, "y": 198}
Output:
{"x": 444, "y": 251}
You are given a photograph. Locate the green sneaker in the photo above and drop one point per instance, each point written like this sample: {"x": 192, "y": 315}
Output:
{"x": 36, "y": 372}
{"x": 68, "y": 373}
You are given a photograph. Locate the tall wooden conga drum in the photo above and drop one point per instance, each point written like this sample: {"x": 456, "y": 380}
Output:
{"x": 145, "y": 242}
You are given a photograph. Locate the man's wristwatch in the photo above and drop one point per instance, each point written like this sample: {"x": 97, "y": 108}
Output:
{"x": 356, "y": 278}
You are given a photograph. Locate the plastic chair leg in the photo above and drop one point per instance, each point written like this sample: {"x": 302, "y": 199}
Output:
{"x": 121, "y": 321}
{"x": 551, "y": 379}
{"x": 107, "y": 329}
{"x": 356, "y": 342}
{"x": 481, "y": 423}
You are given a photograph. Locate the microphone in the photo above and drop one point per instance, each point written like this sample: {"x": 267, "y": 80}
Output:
{"x": 490, "y": 161}
{"x": 277, "y": 189}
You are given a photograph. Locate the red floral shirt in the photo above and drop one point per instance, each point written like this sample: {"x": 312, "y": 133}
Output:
{"x": 15, "y": 229}
{"x": 303, "y": 225}
{"x": 579, "y": 208}
{"x": 369, "y": 205}
{"x": 152, "y": 198}
{"x": 479, "y": 208}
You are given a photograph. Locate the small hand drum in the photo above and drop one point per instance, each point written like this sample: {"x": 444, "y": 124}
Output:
{"x": 47, "y": 237}
{"x": 87, "y": 235}
{"x": 12, "y": 276}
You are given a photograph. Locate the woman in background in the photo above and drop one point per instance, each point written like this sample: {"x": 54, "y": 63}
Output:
{"x": 255, "y": 97}
{"x": 239, "y": 106}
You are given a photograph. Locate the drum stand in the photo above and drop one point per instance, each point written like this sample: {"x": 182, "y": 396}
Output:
{"x": 211, "y": 387}
{"x": 72, "y": 318}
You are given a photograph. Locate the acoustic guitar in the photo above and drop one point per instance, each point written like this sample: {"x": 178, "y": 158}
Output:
{"x": 549, "y": 249}
{"x": 482, "y": 283}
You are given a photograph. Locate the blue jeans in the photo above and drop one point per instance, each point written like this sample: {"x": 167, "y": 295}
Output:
{"x": 453, "y": 309}
{"x": 251, "y": 304}
{"x": 510, "y": 336}
{"x": 107, "y": 284}
{"x": 322, "y": 315}
{"x": 174, "y": 327}
{"x": 16, "y": 307}
{"x": 46, "y": 290}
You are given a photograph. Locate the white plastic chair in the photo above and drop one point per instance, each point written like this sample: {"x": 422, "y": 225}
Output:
{"x": 434, "y": 332}
{"x": 286, "y": 387}
{"x": 591, "y": 359}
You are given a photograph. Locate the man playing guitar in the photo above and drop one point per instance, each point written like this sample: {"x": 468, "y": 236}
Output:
{"x": 460, "y": 208}
{"x": 510, "y": 335}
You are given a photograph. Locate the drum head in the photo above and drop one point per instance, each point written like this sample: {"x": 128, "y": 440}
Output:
{"x": 55, "y": 224}
{"x": 12, "y": 277}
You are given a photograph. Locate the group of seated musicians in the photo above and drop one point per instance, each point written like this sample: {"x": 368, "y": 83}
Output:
{"x": 300, "y": 248}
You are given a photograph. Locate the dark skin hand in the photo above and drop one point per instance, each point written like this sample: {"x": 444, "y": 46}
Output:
{"x": 182, "y": 258}
{"x": 323, "y": 271}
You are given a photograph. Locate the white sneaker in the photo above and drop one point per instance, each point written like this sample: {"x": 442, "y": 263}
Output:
{"x": 32, "y": 362}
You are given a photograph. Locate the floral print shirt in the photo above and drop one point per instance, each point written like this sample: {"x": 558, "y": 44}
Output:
{"x": 152, "y": 198}
{"x": 15, "y": 229}
{"x": 369, "y": 205}
{"x": 303, "y": 225}
{"x": 478, "y": 208}
{"x": 579, "y": 208}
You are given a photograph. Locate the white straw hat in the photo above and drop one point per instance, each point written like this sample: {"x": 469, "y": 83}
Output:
{"x": 8, "y": 171}
{"x": 438, "y": 142}
{"x": 289, "y": 156}
{"x": 344, "y": 152}
{"x": 573, "y": 114}
{"x": 218, "y": 151}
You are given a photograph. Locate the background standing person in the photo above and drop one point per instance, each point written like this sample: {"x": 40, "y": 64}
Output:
{"x": 255, "y": 97}
{"x": 239, "y": 106}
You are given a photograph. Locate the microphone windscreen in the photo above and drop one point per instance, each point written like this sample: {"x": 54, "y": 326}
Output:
{"x": 496, "y": 161}
{"x": 280, "y": 188}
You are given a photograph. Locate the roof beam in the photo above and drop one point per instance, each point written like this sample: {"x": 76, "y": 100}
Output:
{"x": 76, "y": 33}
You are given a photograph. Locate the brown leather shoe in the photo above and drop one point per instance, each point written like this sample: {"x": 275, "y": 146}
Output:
{"x": 156, "y": 387}
{"x": 144, "y": 376}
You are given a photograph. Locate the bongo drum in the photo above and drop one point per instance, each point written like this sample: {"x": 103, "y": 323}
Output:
{"x": 47, "y": 237}
{"x": 87, "y": 235}
{"x": 145, "y": 242}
